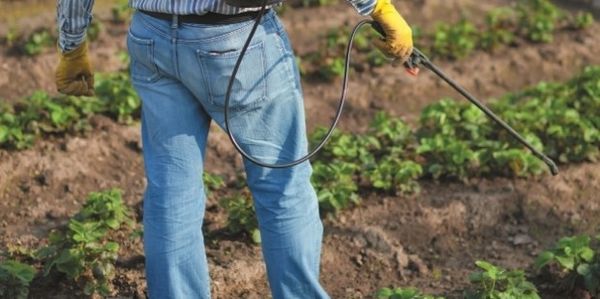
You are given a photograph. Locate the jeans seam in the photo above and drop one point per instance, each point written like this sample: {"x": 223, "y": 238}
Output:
{"x": 263, "y": 85}
{"x": 148, "y": 44}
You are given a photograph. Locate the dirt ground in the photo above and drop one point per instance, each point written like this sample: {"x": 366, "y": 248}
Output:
{"x": 429, "y": 241}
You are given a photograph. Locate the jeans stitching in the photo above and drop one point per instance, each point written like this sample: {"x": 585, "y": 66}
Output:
{"x": 200, "y": 55}
{"x": 148, "y": 46}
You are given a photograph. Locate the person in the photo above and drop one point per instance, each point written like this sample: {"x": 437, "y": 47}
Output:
{"x": 182, "y": 55}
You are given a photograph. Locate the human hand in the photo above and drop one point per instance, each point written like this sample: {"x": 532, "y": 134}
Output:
{"x": 398, "y": 41}
{"x": 74, "y": 75}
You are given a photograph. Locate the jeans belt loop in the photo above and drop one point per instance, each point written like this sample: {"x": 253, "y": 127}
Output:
{"x": 175, "y": 21}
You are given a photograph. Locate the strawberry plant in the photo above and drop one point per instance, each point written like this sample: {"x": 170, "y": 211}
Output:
{"x": 15, "y": 278}
{"x": 118, "y": 96}
{"x": 11, "y": 37}
{"x": 454, "y": 41}
{"x": 12, "y": 133}
{"x": 335, "y": 185}
{"x": 403, "y": 293}
{"x": 500, "y": 28}
{"x": 493, "y": 282}
{"x": 41, "y": 114}
{"x": 576, "y": 259}
{"x": 212, "y": 182}
{"x": 121, "y": 12}
{"x": 106, "y": 208}
{"x": 38, "y": 41}
{"x": 447, "y": 156}
{"x": 82, "y": 251}
{"x": 329, "y": 59}
{"x": 241, "y": 215}
{"x": 582, "y": 20}
{"x": 537, "y": 19}
{"x": 392, "y": 173}
{"x": 94, "y": 29}
{"x": 391, "y": 142}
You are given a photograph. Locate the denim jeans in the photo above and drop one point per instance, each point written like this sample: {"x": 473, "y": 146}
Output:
{"x": 180, "y": 72}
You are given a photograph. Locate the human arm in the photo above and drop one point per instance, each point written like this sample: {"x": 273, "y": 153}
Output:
{"x": 74, "y": 75}
{"x": 73, "y": 18}
{"x": 398, "y": 40}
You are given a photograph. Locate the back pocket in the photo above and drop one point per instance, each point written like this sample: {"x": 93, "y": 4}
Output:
{"x": 141, "y": 51}
{"x": 249, "y": 87}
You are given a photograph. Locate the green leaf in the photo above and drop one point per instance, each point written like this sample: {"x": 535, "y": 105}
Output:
{"x": 543, "y": 259}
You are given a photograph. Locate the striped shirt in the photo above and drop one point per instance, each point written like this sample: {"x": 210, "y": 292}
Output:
{"x": 73, "y": 16}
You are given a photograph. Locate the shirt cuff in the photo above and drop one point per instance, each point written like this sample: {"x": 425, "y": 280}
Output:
{"x": 364, "y": 7}
{"x": 70, "y": 41}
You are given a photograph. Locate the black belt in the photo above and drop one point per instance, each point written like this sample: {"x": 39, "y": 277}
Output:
{"x": 209, "y": 18}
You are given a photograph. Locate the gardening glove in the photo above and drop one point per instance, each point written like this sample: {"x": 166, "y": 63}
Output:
{"x": 74, "y": 75}
{"x": 398, "y": 42}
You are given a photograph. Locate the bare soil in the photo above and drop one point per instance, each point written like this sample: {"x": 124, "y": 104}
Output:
{"x": 429, "y": 241}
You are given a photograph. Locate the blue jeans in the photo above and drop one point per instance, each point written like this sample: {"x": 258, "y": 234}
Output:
{"x": 180, "y": 72}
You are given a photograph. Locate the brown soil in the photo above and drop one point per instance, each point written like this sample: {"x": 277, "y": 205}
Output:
{"x": 428, "y": 241}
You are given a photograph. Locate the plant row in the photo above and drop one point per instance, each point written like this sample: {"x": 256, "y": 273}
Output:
{"x": 84, "y": 251}
{"x": 41, "y": 39}
{"x": 455, "y": 140}
{"x": 573, "y": 263}
{"x": 41, "y": 114}
{"x": 532, "y": 20}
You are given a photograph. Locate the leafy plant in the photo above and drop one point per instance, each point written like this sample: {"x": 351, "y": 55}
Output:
{"x": 575, "y": 257}
{"x": 106, "y": 208}
{"x": 42, "y": 114}
{"x": 241, "y": 215}
{"x": 494, "y": 282}
{"x": 454, "y": 41}
{"x": 12, "y": 36}
{"x": 403, "y": 293}
{"x": 121, "y": 11}
{"x": 38, "y": 41}
{"x": 583, "y": 20}
{"x": 119, "y": 97}
{"x": 500, "y": 28}
{"x": 93, "y": 30}
{"x": 82, "y": 251}
{"x": 212, "y": 182}
{"x": 537, "y": 19}
{"x": 15, "y": 278}
{"x": 335, "y": 185}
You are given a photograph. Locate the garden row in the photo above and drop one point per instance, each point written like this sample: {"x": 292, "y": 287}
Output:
{"x": 84, "y": 251}
{"x": 454, "y": 140}
{"x": 83, "y": 254}
{"x": 39, "y": 40}
{"x": 42, "y": 115}
{"x": 573, "y": 262}
{"x": 531, "y": 20}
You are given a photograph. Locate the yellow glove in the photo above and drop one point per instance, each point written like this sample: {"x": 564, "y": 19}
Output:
{"x": 74, "y": 74}
{"x": 398, "y": 41}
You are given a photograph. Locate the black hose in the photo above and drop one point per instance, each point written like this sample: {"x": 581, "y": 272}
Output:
{"x": 415, "y": 60}
{"x": 338, "y": 110}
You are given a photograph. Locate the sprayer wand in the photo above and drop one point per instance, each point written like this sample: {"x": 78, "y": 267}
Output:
{"x": 417, "y": 59}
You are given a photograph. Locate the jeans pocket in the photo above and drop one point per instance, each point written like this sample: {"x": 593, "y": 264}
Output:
{"x": 141, "y": 51}
{"x": 249, "y": 87}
